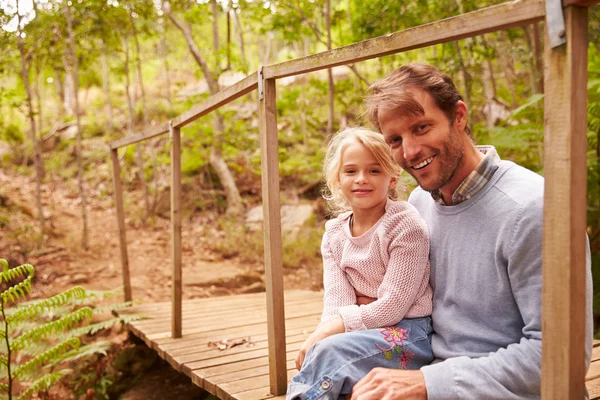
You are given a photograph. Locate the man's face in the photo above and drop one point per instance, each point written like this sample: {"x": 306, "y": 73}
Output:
{"x": 427, "y": 146}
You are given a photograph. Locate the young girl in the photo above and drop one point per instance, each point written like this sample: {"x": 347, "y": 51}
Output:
{"x": 376, "y": 248}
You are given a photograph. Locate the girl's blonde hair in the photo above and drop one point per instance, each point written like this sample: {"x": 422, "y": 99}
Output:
{"x": 333, "y": 163}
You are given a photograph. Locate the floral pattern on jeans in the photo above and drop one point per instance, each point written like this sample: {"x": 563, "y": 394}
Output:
{"x": 395, "y": 337}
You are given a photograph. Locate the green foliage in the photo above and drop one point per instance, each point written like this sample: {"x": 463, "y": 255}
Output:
{"x": 39, "y": 338}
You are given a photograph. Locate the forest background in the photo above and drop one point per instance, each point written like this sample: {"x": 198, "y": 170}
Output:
{"x": 76, "y": 75}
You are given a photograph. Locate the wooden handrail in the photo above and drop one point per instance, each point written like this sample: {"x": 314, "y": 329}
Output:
{"x": 225, "y": 96}
{"x": 477, "y": 22}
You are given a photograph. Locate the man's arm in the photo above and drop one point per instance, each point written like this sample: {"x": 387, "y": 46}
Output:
{"x": 513, "y": 372}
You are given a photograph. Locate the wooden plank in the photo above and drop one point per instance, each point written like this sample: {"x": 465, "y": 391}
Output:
{"x": 210, "y": 385}
{"x": 490, "y": 19}
{"x": 202, "y": 376}
{"x": 593, "y": 372}
{"x": 176, "y": 230}
{"x": 201, "y": 328}
{"x": 138, "y": 137}
{"x": 234, "y": 358}
{"x": 217, "y": 305}
{"x": 118, "y": 188}
{"x": 215, "y": 101}
{"x": 229, "y": 390}
{"x": 565, "y": 144}
{"x": 257, "y": 339}
{"x": 205, "y": 352}
{"x": 593, "y": 388}
{"x": 269, "y": 157}
{"x": 154, "y": 325}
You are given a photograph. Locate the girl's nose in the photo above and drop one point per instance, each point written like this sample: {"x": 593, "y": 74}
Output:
{"x": 361, "y": 178}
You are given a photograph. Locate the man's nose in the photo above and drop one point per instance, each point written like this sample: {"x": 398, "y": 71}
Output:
{"x": 410, "y": 149}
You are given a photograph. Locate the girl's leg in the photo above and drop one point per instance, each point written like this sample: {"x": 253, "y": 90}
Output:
{"x": 334, "y": 365}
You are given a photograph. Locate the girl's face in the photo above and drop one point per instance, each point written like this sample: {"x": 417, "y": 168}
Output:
{"x": 363, "y": 180}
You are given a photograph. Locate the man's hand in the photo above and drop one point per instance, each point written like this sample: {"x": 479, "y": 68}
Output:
{"x": 390, "y": 384}
{"x": 331, "y": 328}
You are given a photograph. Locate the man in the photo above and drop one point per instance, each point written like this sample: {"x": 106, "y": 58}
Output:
{"x": 485, "y": 221}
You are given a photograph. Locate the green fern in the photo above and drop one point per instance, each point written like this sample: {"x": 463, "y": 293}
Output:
{"x": 46, "y": 333}
{"x": 42, "y": 359}
{"x": 43, "y": 383}
{"x": 53, "y": 302}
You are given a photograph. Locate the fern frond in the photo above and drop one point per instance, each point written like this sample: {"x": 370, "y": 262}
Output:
{"x": 9, "y": 275}
{"x": 100, "y": 347}
{"x": 3, "y": 387}
{"x": 110, "y": 307}
{"x": 43, "y": 331}
{"x": 3, "y": 359}
{"x": 21, "y": 289}
{"x": 105, "y": 294}
{"x": 94, "y": 328}
{"x": 51, "y": 354}
{"x": 43, "y": 383}
{"x": 51, "y": 303}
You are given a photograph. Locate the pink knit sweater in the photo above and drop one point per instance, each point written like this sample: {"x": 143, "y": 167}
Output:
{"x": 390, "y": 263}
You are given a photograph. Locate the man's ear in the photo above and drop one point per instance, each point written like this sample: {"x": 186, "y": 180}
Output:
{"x": 460, "y": 116}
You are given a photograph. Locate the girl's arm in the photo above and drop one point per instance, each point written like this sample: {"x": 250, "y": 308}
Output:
{"x": 406, "y": 277}
{"x": 338, "y": 292}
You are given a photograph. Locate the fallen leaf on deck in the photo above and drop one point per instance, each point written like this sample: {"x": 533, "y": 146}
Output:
{"x": 229, "y": 343}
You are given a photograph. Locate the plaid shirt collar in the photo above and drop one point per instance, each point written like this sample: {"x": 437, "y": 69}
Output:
{"x": 476, "y": 179}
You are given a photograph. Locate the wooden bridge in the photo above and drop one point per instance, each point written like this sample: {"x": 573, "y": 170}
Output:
{"x": 242, "y": 371}
{"x": 179, "y": 331}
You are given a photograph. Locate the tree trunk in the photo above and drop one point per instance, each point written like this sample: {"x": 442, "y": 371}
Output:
{"x": 234, "y": 200}
{"x": 330, "y": 83}
{"x": 140, "y": 146}
{"x": 465, "y": 76}
{"x": 106, "y": 85}
{"x": 509, "y": 71}
{"x": 163, "y": 51}
{"x": 537, "y": 52}
{"x": 240, "y": 32}
{"x": 75, "y": 64}
{"x": 37, "y": 154}
{"x": 533, "y": 72}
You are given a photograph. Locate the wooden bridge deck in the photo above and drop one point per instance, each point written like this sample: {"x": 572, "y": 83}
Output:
{"x": 242, "y": 372}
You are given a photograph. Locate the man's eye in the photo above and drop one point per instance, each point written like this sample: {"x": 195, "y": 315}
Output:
{"x": 395, "y": 141}
{"x": 422, "y": 128}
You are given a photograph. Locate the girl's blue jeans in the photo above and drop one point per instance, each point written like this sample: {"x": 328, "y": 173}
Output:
{"x": 334, "y": 365}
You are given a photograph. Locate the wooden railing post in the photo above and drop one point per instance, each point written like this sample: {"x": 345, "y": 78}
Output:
{"x": 175, "y": 133}
{"x": 272, "y": 234}
{"x": 565, "y": 143}
{"x": 116, "y": 167}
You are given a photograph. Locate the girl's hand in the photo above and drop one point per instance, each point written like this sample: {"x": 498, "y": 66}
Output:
{"x": 331, "y": 328}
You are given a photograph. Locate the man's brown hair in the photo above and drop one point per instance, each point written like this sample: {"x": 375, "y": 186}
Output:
{"x": 393, "y": 93}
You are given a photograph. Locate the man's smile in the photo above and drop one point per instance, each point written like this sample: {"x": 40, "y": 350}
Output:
{"x": 423, "y": 163}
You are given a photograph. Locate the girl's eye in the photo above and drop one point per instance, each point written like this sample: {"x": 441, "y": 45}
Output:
{"x": 349, "y": 171}
{"x": 374, "y": 171}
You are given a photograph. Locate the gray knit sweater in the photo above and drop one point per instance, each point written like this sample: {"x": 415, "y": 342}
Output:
{"x": 486, "y": 275}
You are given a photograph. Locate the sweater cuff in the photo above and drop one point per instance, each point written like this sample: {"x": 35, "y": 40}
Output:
{"x": 439, "y": 381}
{"x": 352, "y": 318}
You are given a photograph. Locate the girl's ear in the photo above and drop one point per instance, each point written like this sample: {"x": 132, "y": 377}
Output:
{"x": 393, "y": 183}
